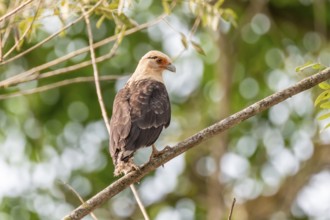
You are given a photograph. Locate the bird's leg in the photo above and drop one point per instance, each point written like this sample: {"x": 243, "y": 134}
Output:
{"x": 125, "y": 167}
{"x": 156, "y": 152}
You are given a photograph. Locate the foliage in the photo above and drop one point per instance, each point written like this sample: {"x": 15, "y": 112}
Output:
{"x": 323, "y": 100}
{"x": 324, "y": 97}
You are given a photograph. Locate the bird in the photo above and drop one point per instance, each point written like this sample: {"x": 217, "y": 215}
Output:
{"x": 141, "y": 110}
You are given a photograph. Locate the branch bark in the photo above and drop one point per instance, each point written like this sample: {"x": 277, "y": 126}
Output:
{"x": 65, "y": 82}
{"x": 205, "y": 134}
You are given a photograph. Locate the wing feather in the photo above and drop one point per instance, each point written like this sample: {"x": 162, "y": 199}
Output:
{"x": 120, "y": 123}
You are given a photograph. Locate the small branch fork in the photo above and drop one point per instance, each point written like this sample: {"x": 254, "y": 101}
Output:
{"x": 194, "y": 140}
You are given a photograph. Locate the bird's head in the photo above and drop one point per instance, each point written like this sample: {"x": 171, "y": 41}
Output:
{"x": 158, "y": 61}
{"x": 152, "y": 65}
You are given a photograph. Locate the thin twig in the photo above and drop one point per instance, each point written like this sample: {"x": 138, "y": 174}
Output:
{"x": 57, "y": 85}
{"x": 231, "y": 209}
{"x": 138, "y": 200}
{"x": 190, "y": 35}
{"x": 15, "y": 10}
{"x": 68, "y": 69}
{"x": 63, "y": 70}
{"x": 171, "y": 26}
{"x": 49, "y": 37}
{"x": 194, "y": 27}
{"x": 25, "y": 32}
{"x": 79, "y": 197}
{"x": 194, "y": 140}
{"x": 95, "y": 71}
{"x": 72, "y": 68}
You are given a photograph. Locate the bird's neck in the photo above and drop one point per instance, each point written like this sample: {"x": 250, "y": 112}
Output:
{"x": 147, "y": 74}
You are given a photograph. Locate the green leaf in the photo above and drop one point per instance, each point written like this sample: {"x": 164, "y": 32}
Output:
{"x": 300, "y": 68}
{"x": 324, "y": 85}
{"x": 327, "y": 126}
{"x": 324, "y": 95}
{"x": 230, "y": 16}
{"x": 318, "y": 66}
{"x": 100, "y": 21}
{"x": 184, "y": 41}
{"x": 325, "y": 116}
{"x": 121, "y": 35}
{"x": 113, "y": 5}
{"x": 122, "y": 20}
{"x": 310, "y": 68}
{"x": 198, "y": 48}
{"x": 325, "y": 105}
{"x": 204, "y": 18}
{"x": 57, "y": 11}
{"x": 166, "y": 7}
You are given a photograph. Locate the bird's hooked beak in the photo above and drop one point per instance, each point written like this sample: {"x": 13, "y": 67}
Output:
{"x": 171, "y": 67}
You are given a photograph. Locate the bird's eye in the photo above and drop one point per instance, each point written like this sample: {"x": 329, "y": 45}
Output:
{"x": 159, "y": 60}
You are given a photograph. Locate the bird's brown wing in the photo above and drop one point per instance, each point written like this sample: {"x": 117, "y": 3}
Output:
{"x": 120, "y": 123}
{"x": 150, "y": 111}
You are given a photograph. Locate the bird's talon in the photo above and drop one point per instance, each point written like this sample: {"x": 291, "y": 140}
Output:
{"x": 154, "y": 152}
{"x": 167, "y": 148}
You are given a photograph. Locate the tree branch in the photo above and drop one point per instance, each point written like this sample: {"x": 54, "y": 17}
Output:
{"x": 95, "y": 71}
{"x": 59, "y": 84}
{"x": 205, "y": 134}
{"x": 15, "y": 10}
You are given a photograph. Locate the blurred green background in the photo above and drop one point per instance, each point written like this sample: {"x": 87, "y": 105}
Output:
{"x": 275, "y": 164}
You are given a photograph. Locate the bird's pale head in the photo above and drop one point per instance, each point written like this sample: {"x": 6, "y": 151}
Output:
{"x": 152, "y": 65}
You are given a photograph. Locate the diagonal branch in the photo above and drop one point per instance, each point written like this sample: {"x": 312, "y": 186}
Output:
{"x": 62, "y": 83}
{"x": 194, "y": 140}
{"x": 95, "y": 70}
{"x": 15, "y": 10}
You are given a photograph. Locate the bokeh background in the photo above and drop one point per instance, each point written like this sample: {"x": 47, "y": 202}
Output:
{"x": 275, "y": 164}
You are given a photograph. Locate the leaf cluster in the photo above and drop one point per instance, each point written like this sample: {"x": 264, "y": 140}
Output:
{"x": 323, "y": 99}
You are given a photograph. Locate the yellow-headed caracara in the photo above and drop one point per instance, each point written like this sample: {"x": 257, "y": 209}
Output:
{"x": 140, "y": 111}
